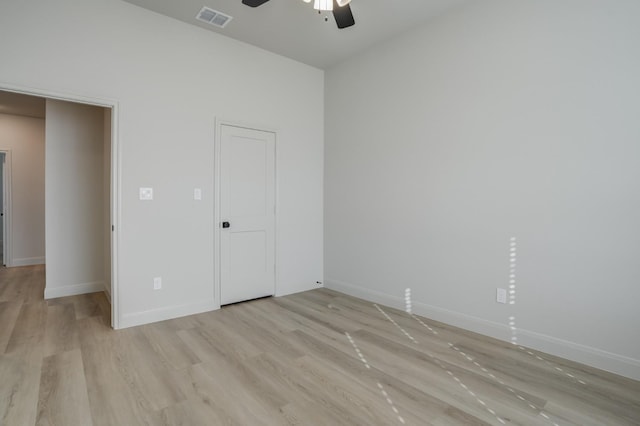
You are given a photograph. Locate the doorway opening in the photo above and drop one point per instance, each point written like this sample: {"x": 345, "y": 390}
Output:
{"x": 76, "y": 197}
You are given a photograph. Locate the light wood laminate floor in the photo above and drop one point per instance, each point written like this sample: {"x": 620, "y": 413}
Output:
{"x": 315, "y": 358}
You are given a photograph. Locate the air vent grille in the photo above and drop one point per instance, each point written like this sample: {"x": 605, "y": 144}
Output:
{"x": 213, "y": 17}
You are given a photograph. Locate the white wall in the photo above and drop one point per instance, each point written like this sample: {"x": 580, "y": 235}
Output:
{"x": 171, "y": 81}
{"x": 499, "y": 119}
{"x": 74, "y": 199}
{"x": 24, "y": 137}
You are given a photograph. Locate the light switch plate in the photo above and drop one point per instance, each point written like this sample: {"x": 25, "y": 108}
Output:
{"x": 146, "y": 194}
{"x": 197, "y": 194}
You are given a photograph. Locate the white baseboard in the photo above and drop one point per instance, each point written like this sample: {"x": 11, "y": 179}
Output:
{"x": 72, "y": 290}
{"x": 28, "y": 261}
{"x": 155, "y": 315}
{"x": 594, "y": 357}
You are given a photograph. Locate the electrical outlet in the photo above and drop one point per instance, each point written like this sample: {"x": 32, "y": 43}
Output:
{"x": 197, "y": 194}
{"x": 157, "y": 283}
{"x": 501, "y": 295}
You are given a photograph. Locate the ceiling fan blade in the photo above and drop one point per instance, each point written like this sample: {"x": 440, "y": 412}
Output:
{"x": 254, "y": 3}
{"x": 343, "y": 15}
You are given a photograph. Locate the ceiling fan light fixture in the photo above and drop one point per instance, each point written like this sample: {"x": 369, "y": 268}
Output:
{"x": 342, "y": 3}
{"x": 322, "y": 5}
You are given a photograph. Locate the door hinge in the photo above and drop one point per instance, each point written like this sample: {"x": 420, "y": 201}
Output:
{"x": 113, "y": 228}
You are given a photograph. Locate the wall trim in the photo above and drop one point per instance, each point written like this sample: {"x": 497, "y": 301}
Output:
{"x": 593, "y": 357}
{"x": 28, "y": 261}
{"x": 171, "y": 312}
{"x": 73, "y": 290}
{"x": 8, "y": 226}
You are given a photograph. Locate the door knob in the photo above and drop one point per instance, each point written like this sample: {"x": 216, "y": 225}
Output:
{"x": 226, "y": 224}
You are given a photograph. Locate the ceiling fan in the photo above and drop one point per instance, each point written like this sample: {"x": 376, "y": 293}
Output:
{"x": 340, "y": 8}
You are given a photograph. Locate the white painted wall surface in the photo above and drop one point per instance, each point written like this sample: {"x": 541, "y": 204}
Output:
{"x": 171, "y": 81}
{"x": 74, "y": 199}
{"x": 499, "y": 119}
{"x": 24, "y": 137}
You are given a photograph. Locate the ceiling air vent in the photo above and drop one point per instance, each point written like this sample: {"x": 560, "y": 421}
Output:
{"x": 213, "y": 17}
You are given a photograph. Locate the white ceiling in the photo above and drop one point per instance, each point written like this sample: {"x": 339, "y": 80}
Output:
{"x": 293, "y": 29}
{"x": 18, "y": 104}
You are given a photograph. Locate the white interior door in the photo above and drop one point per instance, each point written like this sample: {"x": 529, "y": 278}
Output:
{"x": 247, "y": 213}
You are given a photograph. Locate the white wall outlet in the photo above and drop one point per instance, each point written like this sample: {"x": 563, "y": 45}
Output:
{"x": 146, "y": 194}
{"x": 157, "y": 283}
{"x": 501, "y": 295}
{"x": 197, "y": 194}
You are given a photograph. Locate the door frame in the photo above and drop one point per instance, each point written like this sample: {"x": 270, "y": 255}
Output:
{"x": 116, "y": 168}
{"x": 7, "y": 247}
{"x": 216, "y": 200}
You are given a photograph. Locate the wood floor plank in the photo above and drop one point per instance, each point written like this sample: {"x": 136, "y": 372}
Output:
{"x": 35, "y": 287}
{"x": 503, "y": 355}
{"x": 363, "y": 404}
{"x": 167, "y": 344}
{"x": 25, "y": 284}
{"x": 542, "y": 378}
{"x": 104, "y": 306}
{"x": 61, "y": 334}
{"x": 214, "y": 355}
{"x": 318, "y": 357}
{"x": 230, "y": 341}
{"x": 289, "y": 319}
{"x": 419, "y": 401}
{"x": 146, "y": 372}
{"x": 29, "y": 327}
{"x": 20, "y": 382}
{"x": 63, "y": 398}
{"x": 333, "y": 323}
{"x": 113, "y": 397}
{"x": 426, "y": 370}
{"x": 218, "y": 382}
{"x": 285, "y": 378}
{"x": 195, "y": 411}
{"x": 268, "y": 313}
{"x": 9, "y": 312}
{"x": 252, "y": 328}
{"x": 306, "y": 414}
